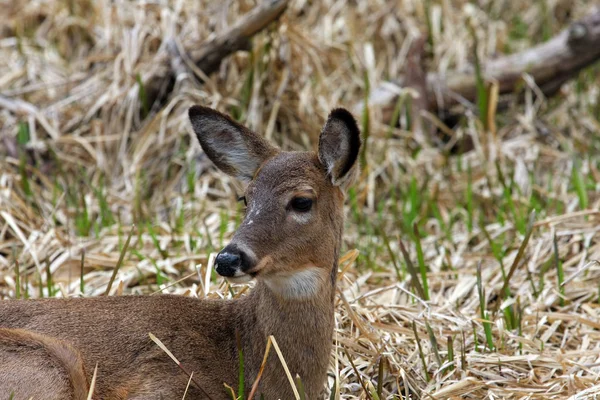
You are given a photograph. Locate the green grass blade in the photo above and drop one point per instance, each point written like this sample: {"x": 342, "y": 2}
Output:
{"x": 434, "y": 344}
{"x": 450, "y": 356}
{"x": 120, "y": 262}
{"x": 81, "y": 281}
{"x": 520, "y": 253}
{"x": 482, "y": 93}
{"x": 380, "y": 376}
{"x": 421, "y": 261}
{"x": 560, "y": 274}
{"x": 487, "y": 325}
{"x": 17, "y": 280}
{"x": 421, "y": 354}
{"x": 392, "y": 255}
{"x": 357, "y": 374}
{"x": 579, "y": 184}
{"x": 412, "y": 271}
{"x": 241, "y": 375}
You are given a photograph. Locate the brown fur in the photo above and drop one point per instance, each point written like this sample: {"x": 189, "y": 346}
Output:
{"x": 113, "y": 331}
{"x": 37, "y": 354}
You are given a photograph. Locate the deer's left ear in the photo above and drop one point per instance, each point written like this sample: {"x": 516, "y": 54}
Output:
{"x": 339, "y": 145}
{"x": 232, "y": 147}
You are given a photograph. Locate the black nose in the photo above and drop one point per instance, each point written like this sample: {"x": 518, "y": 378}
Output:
{"x": 228, "y": 261}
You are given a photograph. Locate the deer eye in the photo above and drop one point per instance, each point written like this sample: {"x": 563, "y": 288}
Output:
{"x": 301, "y": 204}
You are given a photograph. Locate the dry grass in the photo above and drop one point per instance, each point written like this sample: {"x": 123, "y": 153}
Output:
{"x": 84, "y": 157}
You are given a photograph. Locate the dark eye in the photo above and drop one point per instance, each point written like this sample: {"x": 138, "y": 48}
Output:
{"x": 243, "y": 198}
{"x": 301, "y": 204}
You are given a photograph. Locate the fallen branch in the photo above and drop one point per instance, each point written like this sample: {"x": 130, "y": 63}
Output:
{"x": 208, "y": 56}
{"x": 550, "y": 64}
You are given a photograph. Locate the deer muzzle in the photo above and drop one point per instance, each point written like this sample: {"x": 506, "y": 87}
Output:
{"x": 233, "y": 263}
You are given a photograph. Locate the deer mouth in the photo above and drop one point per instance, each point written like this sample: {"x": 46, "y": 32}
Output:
{"x": 242, "y": 278}
{"x": 260, "y": 267}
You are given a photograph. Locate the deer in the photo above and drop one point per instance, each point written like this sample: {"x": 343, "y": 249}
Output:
{"x": 288, "y": 242}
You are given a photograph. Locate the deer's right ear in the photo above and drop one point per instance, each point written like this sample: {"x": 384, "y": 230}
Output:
{"x": 232, "y": 147}
{"x": 339, "y": 145}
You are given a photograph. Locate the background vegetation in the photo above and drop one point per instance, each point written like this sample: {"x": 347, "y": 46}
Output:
{"x": 470, "y": 265}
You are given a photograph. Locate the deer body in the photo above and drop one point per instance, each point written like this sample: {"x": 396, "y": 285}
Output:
{"x": 289, "y": 242}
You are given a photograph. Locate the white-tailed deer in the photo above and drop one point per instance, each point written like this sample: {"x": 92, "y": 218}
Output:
{"x": 289, "y": 242}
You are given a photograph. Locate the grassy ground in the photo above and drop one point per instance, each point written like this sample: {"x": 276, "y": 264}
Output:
{"x": 497, "y": 294}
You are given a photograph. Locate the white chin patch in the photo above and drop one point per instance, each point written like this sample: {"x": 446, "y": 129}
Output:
{"x": 241, "y": 278}
{"x": 300, "y": 285}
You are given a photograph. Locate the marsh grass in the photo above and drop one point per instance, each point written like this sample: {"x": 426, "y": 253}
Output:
{"x": 455, "y": 289}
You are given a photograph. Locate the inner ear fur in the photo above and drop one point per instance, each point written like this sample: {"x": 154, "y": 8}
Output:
{"x": 339, "y": 145}
{"x": 232, "y": 147}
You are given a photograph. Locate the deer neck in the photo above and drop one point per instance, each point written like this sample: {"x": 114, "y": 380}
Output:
{"x": 299, "y": 312}
{"x": 286, "y": 303}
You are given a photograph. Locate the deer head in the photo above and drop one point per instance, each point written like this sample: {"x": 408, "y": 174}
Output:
{"x": 291, "y": 232}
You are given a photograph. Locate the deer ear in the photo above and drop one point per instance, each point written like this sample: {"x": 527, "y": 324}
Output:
{"x": 339, "y": 145}
{"x": 232, "y": 147}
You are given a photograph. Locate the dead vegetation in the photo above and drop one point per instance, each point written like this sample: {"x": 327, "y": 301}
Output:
{"x": 488, "y": 302}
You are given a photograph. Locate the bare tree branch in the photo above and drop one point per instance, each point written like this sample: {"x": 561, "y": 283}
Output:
{"x": 550, "y": 64}
{"x": 208, "y": 56}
